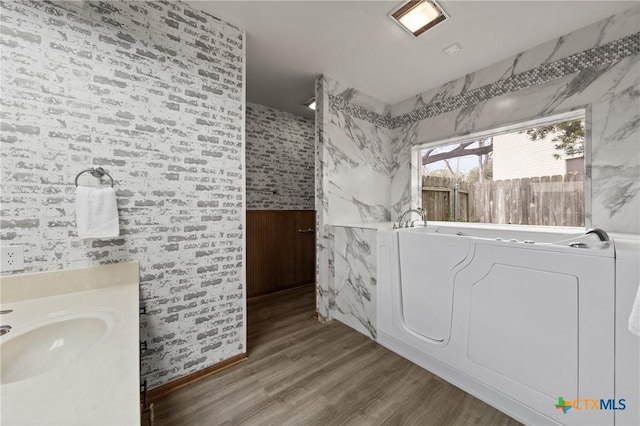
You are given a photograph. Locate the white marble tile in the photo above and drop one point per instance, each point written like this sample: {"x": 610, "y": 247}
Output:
{"x": 615, "y": 153}
{"x": 401, "y": 178}
{"x": 353, "y": 167}
{"x": 325, "y": 288}
{"x": 612, "y": 94}
{"x": 354, "y": 96}
{"x": 596, "y": 34}
{"x": 355, "y": 278}
{"x": 405, "y": 106}
{"x": 324, "y": 297}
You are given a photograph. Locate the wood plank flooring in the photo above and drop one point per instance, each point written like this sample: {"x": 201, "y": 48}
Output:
{"x": 302, "y": 372}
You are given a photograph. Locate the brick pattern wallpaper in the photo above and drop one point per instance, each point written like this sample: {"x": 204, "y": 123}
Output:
{"x": 152, "y": 92}
{"x": 280, "y": 160}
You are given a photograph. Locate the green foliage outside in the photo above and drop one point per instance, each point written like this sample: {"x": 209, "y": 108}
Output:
{"x": 569, "y": 137}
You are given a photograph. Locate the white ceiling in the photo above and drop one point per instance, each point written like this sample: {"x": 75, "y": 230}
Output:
{"x": 290, "y": 43}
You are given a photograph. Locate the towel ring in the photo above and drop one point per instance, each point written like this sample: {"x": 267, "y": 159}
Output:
{"x": 97, "y": 172}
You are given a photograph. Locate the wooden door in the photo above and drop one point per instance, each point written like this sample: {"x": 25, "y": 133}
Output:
{"x": 305, "y": 253}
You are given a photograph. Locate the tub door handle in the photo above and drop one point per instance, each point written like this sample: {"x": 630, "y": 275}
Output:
{"x": 306, "y": 231}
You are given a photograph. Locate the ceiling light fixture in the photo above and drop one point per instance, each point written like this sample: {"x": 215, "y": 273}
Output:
{"x": 453, "y": 49}
{"x": 311, "y": 104}
{"x": 417, "y": 16}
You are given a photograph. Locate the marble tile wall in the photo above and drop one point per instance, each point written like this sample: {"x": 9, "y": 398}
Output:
{"x": 595, "y": 68}
{"x": 353, "y": 176}
{"x": 583, "y": 42}
{"x": 511, "y": 81}
{"x": 280, "y": 160}
{"x": 154, "y": 93}
{"x": 325, "y": 298}
{"x": 355, "y": 160}
{"x": 355, "y": 278}
{"x": 610, "y": 96}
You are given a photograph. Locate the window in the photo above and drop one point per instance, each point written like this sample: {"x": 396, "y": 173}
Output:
{"x": 526, "y": 174}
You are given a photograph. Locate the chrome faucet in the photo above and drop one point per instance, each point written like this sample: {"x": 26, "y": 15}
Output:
{"x": 420, "y": 211}
{"x": 4, "y": 329}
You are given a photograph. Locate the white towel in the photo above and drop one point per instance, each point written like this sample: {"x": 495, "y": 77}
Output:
{"x": 634, "y": 318}
{"x": 96, "y": 213}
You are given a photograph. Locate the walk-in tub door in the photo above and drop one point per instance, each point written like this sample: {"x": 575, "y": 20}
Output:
{"x": 427, "y": 263}
{"x": 540, "y": 327}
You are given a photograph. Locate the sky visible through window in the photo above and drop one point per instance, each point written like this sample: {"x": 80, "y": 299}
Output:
{"x": 462, "y": 163}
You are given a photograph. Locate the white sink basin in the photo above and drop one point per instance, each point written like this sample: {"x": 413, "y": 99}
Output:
{"x": 47, "y": 346}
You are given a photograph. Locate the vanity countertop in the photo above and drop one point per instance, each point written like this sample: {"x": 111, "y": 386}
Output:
{"x": 98, "y": 385}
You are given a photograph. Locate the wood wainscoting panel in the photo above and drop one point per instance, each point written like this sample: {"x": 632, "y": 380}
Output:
{"x": 280, "y": 250}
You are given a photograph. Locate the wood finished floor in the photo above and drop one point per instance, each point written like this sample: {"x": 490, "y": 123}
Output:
{"x": 302, "y": 372}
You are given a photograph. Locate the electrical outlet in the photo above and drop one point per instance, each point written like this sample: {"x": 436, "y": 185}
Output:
{"x": 11, "y": 258}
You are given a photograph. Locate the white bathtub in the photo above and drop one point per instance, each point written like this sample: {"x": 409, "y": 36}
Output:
{"x": 516, "y": 317}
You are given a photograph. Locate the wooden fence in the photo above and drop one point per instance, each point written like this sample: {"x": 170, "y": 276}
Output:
{"x": 547, "y": 200}
{"x": 438, "y": 197}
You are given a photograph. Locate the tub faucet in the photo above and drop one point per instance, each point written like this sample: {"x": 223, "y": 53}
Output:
{"x": 599, "y": 232}
{"x": 420, "y": 211}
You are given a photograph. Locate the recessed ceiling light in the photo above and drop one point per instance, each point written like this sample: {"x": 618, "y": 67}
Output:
{"x": 417, "y": 16}
{"x": 311, "y": 104}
